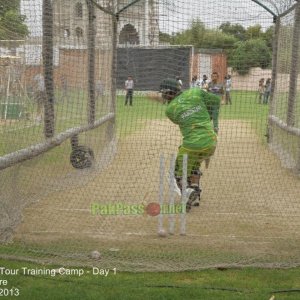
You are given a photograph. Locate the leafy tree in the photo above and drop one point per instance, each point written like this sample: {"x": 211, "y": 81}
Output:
{"x": 164, "y": 37}
{"x": 201, "y": 37}
{"x": 236, "y": 30}
{"x": 12, "y": 25}
{"x": 254, "y": 32}
{"x": 268, "y": 36}
{"x": 249, "y": 54}
{"x": 245, "y": 48}
{"x": 215, "y": 39}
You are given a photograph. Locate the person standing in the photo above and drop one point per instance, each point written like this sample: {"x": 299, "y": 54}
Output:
{"x": 179, "y": 82}
{"x": 267, "y": 91}
{"x": 227, "y": 89}
{"x": 99, "y": 89}
{"x": 195, "y": 82}
{"x": 214, "y": 86}
{"x": 129, "y": 85}
{"x": 64, "y": 87}
{"x": 261, "y": 90}
{"x": 204, "y": 83}
{"x": 39, "y": 95}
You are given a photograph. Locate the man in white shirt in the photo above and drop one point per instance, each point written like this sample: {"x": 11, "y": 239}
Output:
{"x": 228, "y": 89}
{"x": 179, "y": 82}
{"x": 39, "y": 95}
{"x": 204, "y": 83}
{"x": 195, "y": 82}
{"x": 129, "y": 84}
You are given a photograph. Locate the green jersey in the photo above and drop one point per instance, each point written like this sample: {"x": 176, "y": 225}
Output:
{"x": 193, "y": 111}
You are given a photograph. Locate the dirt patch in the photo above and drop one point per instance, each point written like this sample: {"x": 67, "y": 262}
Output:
{"x": 249, "y": 212}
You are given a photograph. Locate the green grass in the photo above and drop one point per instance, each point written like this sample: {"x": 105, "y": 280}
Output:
{"x": 130, "y": 119}
{"x": 233, "y": 284}
{"x": 245, "y": 107}
{"x": 21, "y": 134}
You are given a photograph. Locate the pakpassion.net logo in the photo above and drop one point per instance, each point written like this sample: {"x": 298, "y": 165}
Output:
{"x": 151, "y": 209}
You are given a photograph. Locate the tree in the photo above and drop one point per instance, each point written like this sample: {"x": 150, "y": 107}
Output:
{"x": 236, "y": 30}
{"x": 249, "y": 54}
{"x": 12, "y": 25}
{"x": 268, "y": 36}
{"x": 254, "y": 32}
{"x": 164, "y": 37}
{"x": 215, "y": 39}
{"x": 201, "y": 37}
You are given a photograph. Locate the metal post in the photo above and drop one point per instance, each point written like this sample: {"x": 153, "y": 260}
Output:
{"x": 277, "y": 22}
{"x": 47, "y": 54}
{"x": 111, "y": 125}
{"x": 294, "y": 68}
{"x": 91, "y": 62}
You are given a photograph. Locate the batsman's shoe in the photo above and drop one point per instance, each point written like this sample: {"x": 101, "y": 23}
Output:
{"x": 192, "y": 195}
{"x": 198, "y": 189}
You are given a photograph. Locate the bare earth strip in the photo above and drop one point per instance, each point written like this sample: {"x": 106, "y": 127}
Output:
{"x": 249, "y": 212}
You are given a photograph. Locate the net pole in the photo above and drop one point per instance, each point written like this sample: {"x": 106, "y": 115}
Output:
{"x": 112, "y": 123}
{"x": 47, "y": 54}
{"x": 294, "y": 68}
{"x": 91, "y": 62}
{"x": 277, "y": 22}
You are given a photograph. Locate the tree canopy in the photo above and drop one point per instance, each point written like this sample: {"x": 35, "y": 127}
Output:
{"x": 12, "y": 26}
{"x": 245, "y": 47}
{"x": 249, "y": 54}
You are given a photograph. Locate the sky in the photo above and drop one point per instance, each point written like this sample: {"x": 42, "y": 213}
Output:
{"x": 177, "y": 16}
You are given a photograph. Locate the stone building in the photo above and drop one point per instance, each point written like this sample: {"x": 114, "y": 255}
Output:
{"x": 137, "y": 25}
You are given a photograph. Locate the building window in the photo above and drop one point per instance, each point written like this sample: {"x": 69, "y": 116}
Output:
{"x": 66, "y": 33}
{"x": 78, "y": 10}
{"x": 79, "y": 32}
{"x": 129, "y": 35}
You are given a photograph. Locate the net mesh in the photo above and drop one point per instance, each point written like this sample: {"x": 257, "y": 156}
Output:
{"x": 82, "y": 172}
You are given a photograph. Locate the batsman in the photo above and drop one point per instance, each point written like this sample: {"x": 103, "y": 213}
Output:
{"x": 196, "y": 112}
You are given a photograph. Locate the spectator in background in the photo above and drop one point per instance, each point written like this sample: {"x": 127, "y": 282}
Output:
{"x": 129, "y": 85}
{"x": 204, "y": 83}
{"x": 195, "y": 82}
{"x": 99, "y": 89}
{"x": 179, "y": 82}
{"x": 267, "y": 91}
{"x": 64, "y": 87}
{"x": 261, "y": 90}
{"x": 214, "y": 86}
{"x": 227, "y": 84}
{"x": 39, "y": 95}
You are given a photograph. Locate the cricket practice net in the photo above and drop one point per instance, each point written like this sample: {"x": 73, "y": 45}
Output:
{"x": 85, "y": 179}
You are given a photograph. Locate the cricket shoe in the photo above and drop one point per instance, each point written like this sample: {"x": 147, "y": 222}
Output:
{"x": 198, "y": 189}
{"x": 192, "y": 196}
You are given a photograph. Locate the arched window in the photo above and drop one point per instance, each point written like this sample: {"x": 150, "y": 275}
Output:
{"x": 79, "y": 32}
{"x": 129, "y": 35}
{"x": 78, "y": 10}
{"x": 66, "y": 33}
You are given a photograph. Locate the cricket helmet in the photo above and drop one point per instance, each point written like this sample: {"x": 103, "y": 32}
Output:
{"x": 169, "y": 85}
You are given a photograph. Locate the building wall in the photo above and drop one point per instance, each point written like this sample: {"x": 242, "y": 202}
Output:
{"x": 73, "y": 66}
{"x": 143, "y": 16}
{"x": 250, "y": 81}
{"x": 217, "y": 63}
